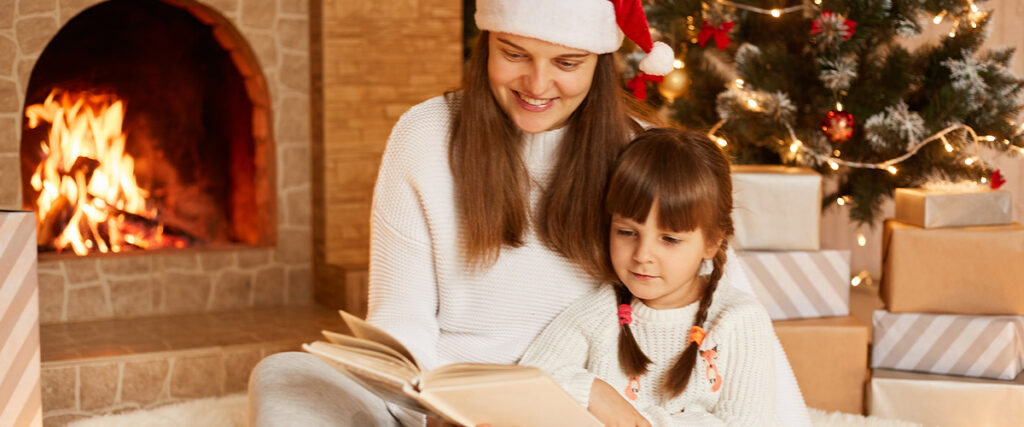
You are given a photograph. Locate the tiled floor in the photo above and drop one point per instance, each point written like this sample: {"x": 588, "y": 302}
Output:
{"x": 107, "y": 338}
{"x": 111, "y": 366}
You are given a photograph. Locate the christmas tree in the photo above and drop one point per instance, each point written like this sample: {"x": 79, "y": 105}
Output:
{"x": 826, "y": 84}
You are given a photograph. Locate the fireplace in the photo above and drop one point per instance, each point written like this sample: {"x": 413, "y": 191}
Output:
{"x": 207, "y": 109}
{"x": 139, "y": 135}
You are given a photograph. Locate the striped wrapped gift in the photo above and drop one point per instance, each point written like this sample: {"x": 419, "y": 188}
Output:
{"x": 800, "y": 284}
{"x": 20, "y": 393}
{"x": 958, "y": 344}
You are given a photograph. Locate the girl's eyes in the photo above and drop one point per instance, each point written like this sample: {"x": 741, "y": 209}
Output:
{"x": 671, "y": 240}
{"x": 625, "y": 233}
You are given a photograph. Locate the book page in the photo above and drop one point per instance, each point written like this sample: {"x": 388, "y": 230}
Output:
{"x": 353, "y": 342}
{"x": 363, "y": 329}
{"x": 506, "y": 399}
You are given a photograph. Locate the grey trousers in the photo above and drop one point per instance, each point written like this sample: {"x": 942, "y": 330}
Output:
{"x": 297, "y": 389}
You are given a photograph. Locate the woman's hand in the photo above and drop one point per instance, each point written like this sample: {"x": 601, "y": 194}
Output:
{"x": 611, "y": 409}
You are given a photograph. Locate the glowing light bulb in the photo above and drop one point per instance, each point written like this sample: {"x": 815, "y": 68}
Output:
{"x": 739, "y": 83}
{"x": 678, "y": 64}
{"x": 722, "y": 142}
{"x": 855, "y": 281}
{"x": 836, "y": 153}
{"x": 840, "y": 201}
{"x": 861, "y": 240}
{"x": 989, "y": 138}
{"x": 892, "y": 169}
{"x": 949, "y": 148}
{"x": 969, "y": 161}
{"x": 839, "y": 106}
{"x": 974, "y": 7}
{"x": 795, "y": 146}
{"x": 776, "y": 13}
{"x": 835, "y": 166}
{"x": 818, "y": 2}
{"x": 952, "y": 32}
{"x": 938, "y": 18}
{"x": 984, "y": 180}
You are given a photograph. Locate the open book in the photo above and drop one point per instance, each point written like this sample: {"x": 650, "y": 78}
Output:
{"x": 463, "y": 393}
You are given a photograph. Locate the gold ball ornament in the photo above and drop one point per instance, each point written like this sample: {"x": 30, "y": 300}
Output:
{"x": 674, "y": 84}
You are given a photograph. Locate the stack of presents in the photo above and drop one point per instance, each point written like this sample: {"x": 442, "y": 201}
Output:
{"x": 949, "y": 348}
{"x": 805, "y": 289}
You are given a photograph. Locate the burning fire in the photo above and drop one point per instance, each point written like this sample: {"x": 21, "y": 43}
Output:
{"x": 89, "y": 199}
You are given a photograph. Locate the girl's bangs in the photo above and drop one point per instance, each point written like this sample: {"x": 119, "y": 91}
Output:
{"x": 645, "y": 176}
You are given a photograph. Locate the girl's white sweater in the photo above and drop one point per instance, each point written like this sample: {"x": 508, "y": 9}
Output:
{"x": 732, "y": 382}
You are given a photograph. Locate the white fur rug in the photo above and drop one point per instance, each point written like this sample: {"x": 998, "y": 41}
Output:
{"x": 232, "y": 411}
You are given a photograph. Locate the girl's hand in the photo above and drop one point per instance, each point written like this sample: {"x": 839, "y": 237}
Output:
{"x": 611, "y": 409}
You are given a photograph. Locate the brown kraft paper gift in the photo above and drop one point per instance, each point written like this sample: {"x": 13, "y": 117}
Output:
{"x": 830, "y": 360}
{"x": 969, "y": 270}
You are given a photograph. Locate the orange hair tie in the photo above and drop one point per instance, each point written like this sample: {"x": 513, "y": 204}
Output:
{"x": 697, "y": 335}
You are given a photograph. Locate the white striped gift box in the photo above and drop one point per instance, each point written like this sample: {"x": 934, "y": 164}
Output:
{"x": 800, "y": 284}
{"x": 20, "y": 393}
{"x": 957, "y": 344}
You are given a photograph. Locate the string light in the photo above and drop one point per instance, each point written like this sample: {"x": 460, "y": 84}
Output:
{"x": 678, "y": 64}
{"x": 841, "y": 201}
{"x": 795, "y": 146}
{"x": 839, "y": 106}
{"x": 832, "y": 164}
{"x": 722, "y": 142}
{"x": 752, "y": 104}
{"x": 861, "y": 240}
{"x": 945, "y": 143}
{"x": 984, "y": 180}
{"x": 738, "y": 83}
{"x": 989, "y": 138}
{"x": 892, "y": 170}
{"x": 974, "y": 7}
{"x": 863, "y": 278}
{"x": 938, "y": 18}
{"x": 969, "y": 161}
{"x": 817, "y": 2}
{"x": 774, "y": 12}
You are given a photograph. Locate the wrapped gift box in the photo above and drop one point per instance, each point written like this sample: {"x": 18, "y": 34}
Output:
{"x": 975, "y": 346}
{"x": 939, "y": 400}
{"x": 800, "y": 284}
{"x": 776, "y": 207}
{"x": 971, "y": 270}
{"x": 830, "y": 360}
{"x": 20, "y": 392}
{"x": 930, "y": 208}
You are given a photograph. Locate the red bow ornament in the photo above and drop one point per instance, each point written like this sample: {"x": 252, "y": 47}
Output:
{"x": 638, "y": 84}
{"x": 997, "y": 180}
{"x": 720, "y": 32}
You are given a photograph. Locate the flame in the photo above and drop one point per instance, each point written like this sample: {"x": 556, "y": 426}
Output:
{"x": 87, "y": 173}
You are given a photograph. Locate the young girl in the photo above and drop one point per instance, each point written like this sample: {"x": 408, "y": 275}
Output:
{"x": 677, "y": 345}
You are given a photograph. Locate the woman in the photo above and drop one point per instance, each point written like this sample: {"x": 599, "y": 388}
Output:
{"x": 488, "y": 200}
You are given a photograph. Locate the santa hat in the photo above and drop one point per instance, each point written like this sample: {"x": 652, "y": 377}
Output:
{"x": 595, "y": 26}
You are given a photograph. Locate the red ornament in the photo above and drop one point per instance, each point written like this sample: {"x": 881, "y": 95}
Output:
{"x": 638, "y": 84}
{"x": 997, "y": 180}
{"x": 837, "y": 126}
{"x": 719, "y": 32}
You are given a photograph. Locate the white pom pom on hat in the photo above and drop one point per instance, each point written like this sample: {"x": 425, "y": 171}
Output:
{"x": 592, "y": 25}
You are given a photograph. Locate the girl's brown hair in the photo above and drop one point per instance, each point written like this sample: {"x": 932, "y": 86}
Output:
{"x": 687, "y": 175}
{"x": 491, "y": 180}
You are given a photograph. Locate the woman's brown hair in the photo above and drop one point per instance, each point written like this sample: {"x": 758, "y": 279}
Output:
{"x": 686, "y": 178}
{"x": 491, "y": 180}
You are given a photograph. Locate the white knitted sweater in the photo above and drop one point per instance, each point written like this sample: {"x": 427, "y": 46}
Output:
{"x": 732, "y": 382}
{"x": 420, "y": 290}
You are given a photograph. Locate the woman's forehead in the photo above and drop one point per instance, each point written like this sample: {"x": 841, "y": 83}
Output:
{"x": 537, "y": 45}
